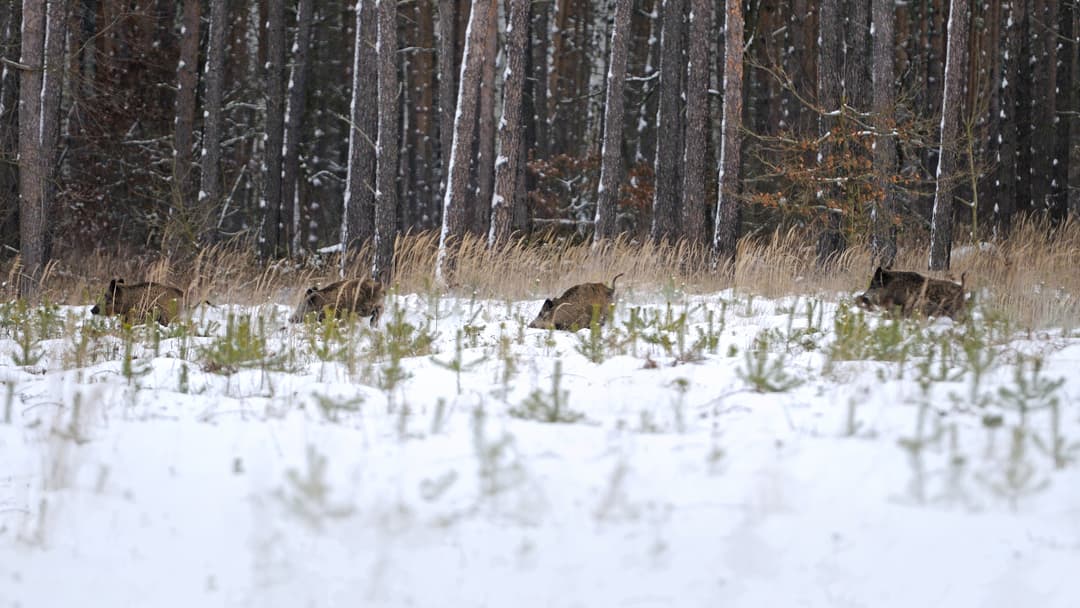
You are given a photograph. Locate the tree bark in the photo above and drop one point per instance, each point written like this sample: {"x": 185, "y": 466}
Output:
{"x": 386, "y": 148}
{"x": 830, "y": 75}
{"x": 32, "y": 212}
{"x": 210, "y": 190}
{"x": 611, "y": 155}
{"x": 883, "y": 241}
{"x": 271, "y": 245}
{"x": 9, "y": 127}
{"x": 669, "y": 147}
{"x": 187, "y": 75}
{"x": 294, "y": 119}
{"x": 941, "y": 228}
{"x": 485, "y": 157}
{"x": 726, "y": 231}
{"x": 447, "y": 87}
{"x": 1007, "y": 177}
{"x": 1044, "y": 73}
{"x": 697, "y": 122}
{"x": 506, "y": 165}
{"x": 538, "y": 81}
{"x": 1073, "y": 183}
{"x": 454, "y": 220}
{"x": 425, "y": 128}
{"x": 52, "y": 87}
{"x": 358, "y": 225}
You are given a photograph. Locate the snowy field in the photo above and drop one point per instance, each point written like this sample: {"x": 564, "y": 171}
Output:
{"x": 718, "y": 450}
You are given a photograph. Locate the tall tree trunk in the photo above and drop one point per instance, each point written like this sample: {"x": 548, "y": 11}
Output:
{"x": 1044, "y": 72}
{"x": 1007, "y": 176}
{"x": 485, "y": 157}
{"x": 447, "y": 87}
{"x": 1063, "y": 44}
{"x": 665, "y": 221}
{"x": 32, "y": 212}
{"x": 52, "y": 87}
{"x": 1073, "y": 183}
{"x": 726, "y": 231}
{"x": 857, "y": 55}
{"x": 358, "y": 225}
{"x": 510, "y": 157}
{"x": 830, "y": 75}
{"x": 386, "y": 149}
{"x": 9, "y": 126}
{"x": 210, "y": 190}
{"x": 697, "y": 122}
{"x": 883, "y": 241}
{"x": 941, "y": 228}
{"x": 294, "y": 119}
{"x": 1026, "y": 88}
{"x": 454, "y": 220}
{"x": 187, "y": 74}
{"x": 271, "y": 245}
{"x": 611, "y": 155}
{"x": 538, "y": 78}
{"x": 425, "y": 132}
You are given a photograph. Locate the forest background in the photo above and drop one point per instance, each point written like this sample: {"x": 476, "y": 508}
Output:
{"x": 142, "y": 130}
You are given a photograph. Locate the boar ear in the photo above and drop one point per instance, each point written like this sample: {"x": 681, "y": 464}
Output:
{"x": 548, "y": 304}
{"x": 310, "y": 290}
{"x": 879, "y": 277}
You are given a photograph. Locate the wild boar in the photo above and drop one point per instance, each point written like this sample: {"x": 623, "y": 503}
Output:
{"x": 912, "y": 293}
{"x": 575, "y": 308}
{"x": 161, "y": 303}
{"x": 364, "y": 297}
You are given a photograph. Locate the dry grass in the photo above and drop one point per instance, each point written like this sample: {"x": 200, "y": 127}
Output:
{"x": 1032, "y": 277}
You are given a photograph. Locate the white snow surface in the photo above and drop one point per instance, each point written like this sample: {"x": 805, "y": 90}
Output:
{"x": 680, "y": 486}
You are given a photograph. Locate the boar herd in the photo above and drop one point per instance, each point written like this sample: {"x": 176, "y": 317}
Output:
{"x": 893, "y": 291}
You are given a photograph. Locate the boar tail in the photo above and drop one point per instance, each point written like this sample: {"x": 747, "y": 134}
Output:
{"x": 616, "y": 279}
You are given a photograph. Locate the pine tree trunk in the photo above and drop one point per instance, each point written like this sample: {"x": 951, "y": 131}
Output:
{"x": 294, "y": 117}
{"x": 358, "y": 225}
{"x": 32, "y": 212}
{"x": 1073, "y": 183}
{"x": 425, "y": 128}
{"x": 830, "y": 74}
{"x": 1044, "y": 73}
{"x": 883, "y": 241}
{"x": 506, "y": 165}
{"x": 386, "y": 148}
{"x": 1012, "y": 15}
{"x": 454, "y": 220}
{"x": 538, "y": 81}
{"x": 485, "y": 157}
{"x": 611, "y": 155}
{"x": 187, "y": 74}
{"x": 697, "y": 122}
{"x": 669, "y": 145}
{"x": 447, "y": 87}
{"x": 726, "y": 231}
{"x": 9, "y": 126}
{"x": 1064, "y": 43}
{"x": 271, "y": 245}
{"x": 941, "y": 228}
{"x": 52, "y": 87}
{"x": 210, "y": 191}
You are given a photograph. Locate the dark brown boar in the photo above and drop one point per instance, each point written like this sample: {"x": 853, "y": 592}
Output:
{"x": 161, "y": 303}
{"x": 364, "y": 297}
{"x": 912, "y": 293}
{"x": 575, "y": 308}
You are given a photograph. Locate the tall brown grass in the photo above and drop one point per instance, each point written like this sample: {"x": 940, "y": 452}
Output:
{"x": 1033, "y": 276}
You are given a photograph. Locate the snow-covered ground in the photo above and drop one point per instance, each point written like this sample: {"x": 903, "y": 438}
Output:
{"x": 753, "y": 453}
